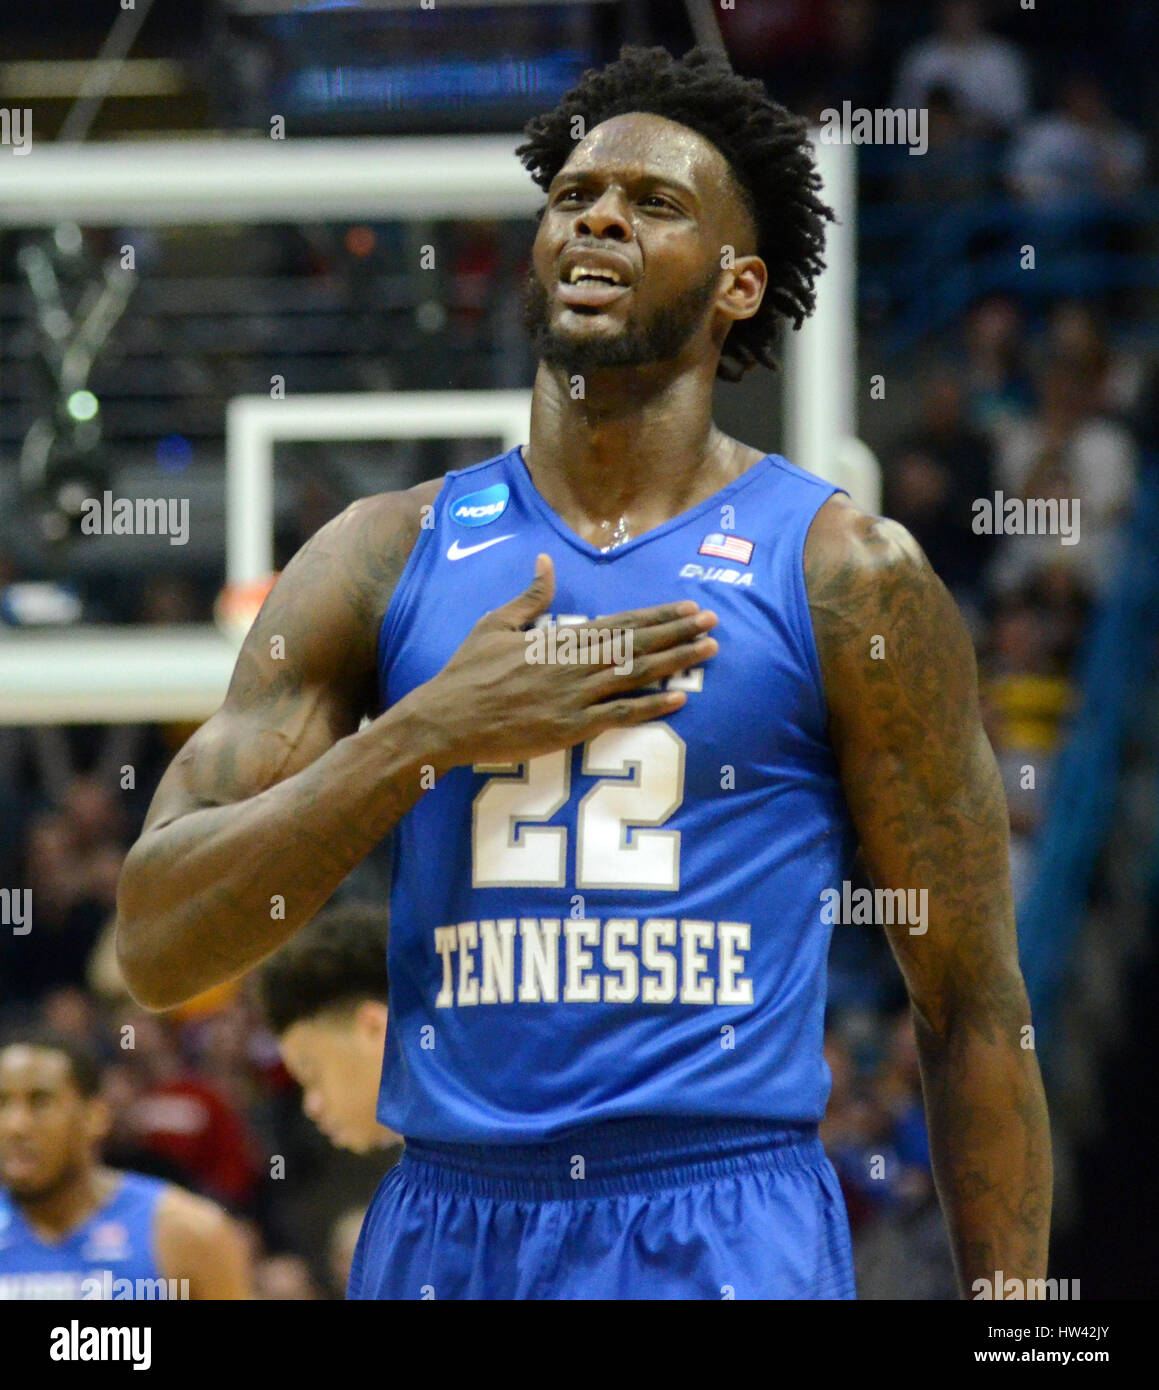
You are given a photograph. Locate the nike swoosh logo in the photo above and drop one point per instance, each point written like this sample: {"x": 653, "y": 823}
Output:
{"x": 460, "y": 552}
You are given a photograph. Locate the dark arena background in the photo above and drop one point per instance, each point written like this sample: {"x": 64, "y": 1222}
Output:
{"x": 264, "y": 257}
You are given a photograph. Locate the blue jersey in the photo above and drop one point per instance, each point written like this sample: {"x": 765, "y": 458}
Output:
{"x": 631, "y": 927}
{"x": 110, "y": 1255}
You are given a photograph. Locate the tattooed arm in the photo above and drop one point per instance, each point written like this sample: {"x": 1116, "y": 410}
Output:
{"x": 277, "y": 794}
{"x": 923, "y": 789}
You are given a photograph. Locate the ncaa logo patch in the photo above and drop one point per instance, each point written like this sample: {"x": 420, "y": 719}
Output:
{"x": 481, "y": 508}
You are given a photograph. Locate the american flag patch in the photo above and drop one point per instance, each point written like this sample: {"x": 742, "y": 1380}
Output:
{"x": 727, "y": 547}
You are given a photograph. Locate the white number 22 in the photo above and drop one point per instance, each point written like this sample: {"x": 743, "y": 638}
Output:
{"x": 642, "y": 784}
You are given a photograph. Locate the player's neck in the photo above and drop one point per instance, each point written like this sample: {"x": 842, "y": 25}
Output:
{"x": 73, "y": 1202}
{"x": 632, "y": 445}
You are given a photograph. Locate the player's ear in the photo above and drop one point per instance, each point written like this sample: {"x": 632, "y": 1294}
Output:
{"x": 746, "y": 287}
{"x": 370, "y": 1021}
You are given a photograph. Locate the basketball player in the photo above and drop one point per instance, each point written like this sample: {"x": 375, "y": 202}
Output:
{"x": 325, "y": 996}
{"x": 608, "y": 951}
{"x": 72, "y": 1229}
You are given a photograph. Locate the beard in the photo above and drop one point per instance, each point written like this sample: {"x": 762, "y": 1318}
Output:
{"x": 40, "y": 1189}
{"x": 657, "y": 339}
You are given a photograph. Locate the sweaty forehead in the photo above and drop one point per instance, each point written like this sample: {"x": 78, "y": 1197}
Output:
{"x": 642, "y": 143}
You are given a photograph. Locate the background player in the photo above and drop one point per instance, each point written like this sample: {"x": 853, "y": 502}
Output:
{"x": 326, "y": 996}
{"x": 71, "y": 1228}
{"x": 281, "y": 794}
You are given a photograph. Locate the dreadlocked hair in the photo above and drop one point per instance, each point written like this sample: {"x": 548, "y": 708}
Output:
{"x": 766, "y": 146}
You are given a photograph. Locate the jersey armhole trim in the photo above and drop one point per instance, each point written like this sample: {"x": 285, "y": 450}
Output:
{"x": 398, "y": 599}
{"x": 805, "y": 616}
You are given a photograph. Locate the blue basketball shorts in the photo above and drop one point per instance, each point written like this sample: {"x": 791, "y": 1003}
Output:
{"x": 642, "y": 1208}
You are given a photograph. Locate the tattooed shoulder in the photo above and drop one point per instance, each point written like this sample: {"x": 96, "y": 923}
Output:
{"x": 867, "y": 577}
{"x": 854, "y": 563}
{"x": 371, "y": 542}
{"x": 328, "y": 605}
{"x": 896, "y": 656}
